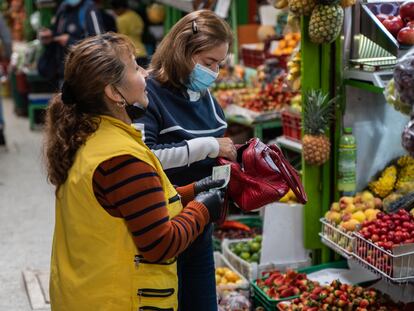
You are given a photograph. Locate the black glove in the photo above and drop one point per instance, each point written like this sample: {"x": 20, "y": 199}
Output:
{"x": 213, "y": 201}
{"x": 206, "y": 184}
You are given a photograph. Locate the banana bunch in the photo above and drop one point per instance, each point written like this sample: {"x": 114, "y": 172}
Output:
{"x": 280, "y": 4}
{"x": 385, "y": 184}
{"x": 293, "y": 67}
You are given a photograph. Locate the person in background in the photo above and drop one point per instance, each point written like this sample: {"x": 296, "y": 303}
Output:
{"x": 184, "y": 127}
{"x": 6, "y": 41}
{"x": 129, "y": 23}
{"x": 74, "y": 21}
{"x": 108, "y": 17}
{"x": 119, "y": 221}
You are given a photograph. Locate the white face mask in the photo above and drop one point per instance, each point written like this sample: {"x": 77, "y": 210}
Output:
{"x": 73, "y": 2}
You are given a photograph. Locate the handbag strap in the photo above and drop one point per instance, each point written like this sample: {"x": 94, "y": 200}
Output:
{"x": 273, "y": 158}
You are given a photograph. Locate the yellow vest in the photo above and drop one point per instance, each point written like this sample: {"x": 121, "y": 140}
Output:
{"x": 95, "y": 264}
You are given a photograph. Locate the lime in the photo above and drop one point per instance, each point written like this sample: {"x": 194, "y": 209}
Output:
{"x": 255, "y": 247}
{"x": 255, "y": 257}
{"x": 245, "y": 248}
{"x": 258, "y": 238}
{"x": 237, "y": 249}
{"x": 245, "y": 255}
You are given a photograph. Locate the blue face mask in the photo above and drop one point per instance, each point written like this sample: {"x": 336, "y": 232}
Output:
{"x": 72, "y": 2}
{"x": 201, "y": 78}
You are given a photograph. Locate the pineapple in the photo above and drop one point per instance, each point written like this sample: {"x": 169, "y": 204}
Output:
{"x": 318, "y": 114}
{"x": 325, "y": 23}
{"x": 302, "y": 7}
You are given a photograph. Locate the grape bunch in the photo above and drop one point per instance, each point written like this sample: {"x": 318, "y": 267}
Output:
{"x": 404, "y": 78}
{"x": 393, "y": 98}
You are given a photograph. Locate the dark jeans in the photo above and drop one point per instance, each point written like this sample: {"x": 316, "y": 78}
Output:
{"x": 196, "y": 275}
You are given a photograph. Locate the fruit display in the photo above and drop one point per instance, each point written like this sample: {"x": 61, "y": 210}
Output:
{"x": 401, "y": 26}
{"x": 339, "y": 296}
{"x": 286, "y": 45}
{"x": 235, "y": 230}
{"x": 389, "y": 230}
{"x": 233, "y": 301}
{"x": 395, "y": 181}
{"x": 325, "y": 23}
{"x": 407, "y": 137}
{"x": 385, "y": 184}
{"x": 393, "y": 98}
{"x": 279, "y": 285}
{"x": 318, "y": 113}
{"x": 225, "y": 276}
{"x": 404, "y": 78}
{"x": 289, "y": 198}
{"x": 248, "y": 251}
{"x": 294, "y": 71}
{"x": 350, "y": 212}
{"x": 387, "y": 233}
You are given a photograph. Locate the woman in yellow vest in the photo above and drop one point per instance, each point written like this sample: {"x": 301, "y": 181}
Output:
{"x": 119, "y": 221}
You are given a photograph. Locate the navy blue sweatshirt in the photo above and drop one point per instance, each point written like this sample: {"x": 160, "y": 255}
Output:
{"x": 180, "y": 128}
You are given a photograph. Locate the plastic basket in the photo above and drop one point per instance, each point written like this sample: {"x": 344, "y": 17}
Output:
{"x": 252, "y": 270}
{"x": 251, "y": 221}
{"x": 396, "y": 265}
{"x": 221, "y": 261}
{"x": 291, "y": 123}
{"x": 261, "y": 299}
{"x": 337, "y": 239}
{"x": 254, "y": 55}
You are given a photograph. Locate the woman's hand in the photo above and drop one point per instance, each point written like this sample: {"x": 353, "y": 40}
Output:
{"x": 227, "y": 149}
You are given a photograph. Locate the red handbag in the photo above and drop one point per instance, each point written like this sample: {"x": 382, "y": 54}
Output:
{"x": 261, "y": 176}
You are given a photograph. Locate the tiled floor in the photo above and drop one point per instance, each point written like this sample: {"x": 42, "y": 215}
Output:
{"x": 26, "y": 210}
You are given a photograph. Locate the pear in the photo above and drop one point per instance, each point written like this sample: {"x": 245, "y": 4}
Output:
{"x": 371, "y": 214}
{"x": 334, "y": 217}
{"x": 335, "y": 207}
{"x": 350, "y": 225}
{"x": 350, "y": 209}
{"x": 378, "y": 203}
{"x": 359, "y": 216}
{"x": 367, "y": 196}
{"x": 344, "y": 201}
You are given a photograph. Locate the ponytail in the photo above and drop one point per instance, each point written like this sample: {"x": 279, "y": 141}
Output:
{"x": 66, "y": 130}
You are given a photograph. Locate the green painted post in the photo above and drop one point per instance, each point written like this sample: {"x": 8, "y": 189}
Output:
{"x": 234, "y": 23}
{"x": 312, "y": 175}
{"x": 28, "y": 30}
{"x": 326, "y": 80}
{"x": 241, "y": 11}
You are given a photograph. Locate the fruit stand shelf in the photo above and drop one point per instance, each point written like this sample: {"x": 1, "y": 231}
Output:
{"x": 290, "y": 144}
{"x": 396, "y": 267}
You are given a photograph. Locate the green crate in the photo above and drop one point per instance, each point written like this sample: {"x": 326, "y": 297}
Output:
{"x": 261, "y": 299}
{"x": 251, "y": 221}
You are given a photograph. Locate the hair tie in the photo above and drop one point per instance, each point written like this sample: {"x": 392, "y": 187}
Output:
{"x": 194, "y": 27}
{"x": 68, "y": 97}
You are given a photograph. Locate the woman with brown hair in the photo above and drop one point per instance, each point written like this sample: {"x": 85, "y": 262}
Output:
{"x": 119, "y": 221}
{"x": 184, "y": 127}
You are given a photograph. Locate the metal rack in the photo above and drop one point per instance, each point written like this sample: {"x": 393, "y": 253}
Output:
{"x": 336, "y": 239}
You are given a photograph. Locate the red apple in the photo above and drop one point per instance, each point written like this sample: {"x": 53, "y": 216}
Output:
{"x": 393, "y": 24}
{"x": 382, "y": 17}
{"x": 407, "y": 11}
